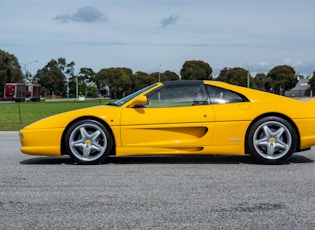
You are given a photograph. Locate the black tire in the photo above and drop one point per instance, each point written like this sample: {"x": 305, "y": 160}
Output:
{"x": 88, "y": 142}
{"x": 272, "y": 140}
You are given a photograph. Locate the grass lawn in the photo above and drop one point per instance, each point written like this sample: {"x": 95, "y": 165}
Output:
{"x": 14, "y": 116}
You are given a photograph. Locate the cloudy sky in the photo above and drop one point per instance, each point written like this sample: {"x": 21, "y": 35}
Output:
{"x": 153, "y": 35}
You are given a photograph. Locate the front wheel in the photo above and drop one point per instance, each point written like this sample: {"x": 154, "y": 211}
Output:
{"x": 88, "y": 142}
{"x": 272, "y": 140}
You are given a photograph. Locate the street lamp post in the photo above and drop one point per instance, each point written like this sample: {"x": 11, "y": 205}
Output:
{"x": 26, "y": 70}
{"x": 248, "y": 79}
{"x": 248, "y": 76}
{"x": 77, "y": 86}
{"x": 160, "y": 73}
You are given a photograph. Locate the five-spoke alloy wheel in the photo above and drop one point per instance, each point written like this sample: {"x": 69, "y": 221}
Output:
{"x": 272, "y": 140}
{"x": 88, "y": 142}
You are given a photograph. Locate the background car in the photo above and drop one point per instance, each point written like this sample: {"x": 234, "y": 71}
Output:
{"x": 179, "y": 118}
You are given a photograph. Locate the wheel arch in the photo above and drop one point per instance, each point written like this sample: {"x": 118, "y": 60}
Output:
{"x": 288, "y": 119}
{"x": 62, "y": 144}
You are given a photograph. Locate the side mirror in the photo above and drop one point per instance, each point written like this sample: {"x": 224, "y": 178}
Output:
{"x": 139, "y": 102}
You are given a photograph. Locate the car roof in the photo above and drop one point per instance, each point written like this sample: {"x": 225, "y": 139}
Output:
{"x": 211, "y": 82}
{"x": 183, "y": 82}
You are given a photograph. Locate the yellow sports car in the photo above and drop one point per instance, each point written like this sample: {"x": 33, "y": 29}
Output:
{"x": 178, "y": 118}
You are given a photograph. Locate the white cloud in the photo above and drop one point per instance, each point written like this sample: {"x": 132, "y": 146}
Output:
{"x": 288, "y": 61}
{"x": 264, "y": 64}
{"x": 298, "y": 63}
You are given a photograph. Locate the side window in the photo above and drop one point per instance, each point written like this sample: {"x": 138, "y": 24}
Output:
{"x": 219, "y": 95}
{"x": 177, "y": 95}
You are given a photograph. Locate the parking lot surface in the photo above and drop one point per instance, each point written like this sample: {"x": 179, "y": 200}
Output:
{"x": 200, "y": 192}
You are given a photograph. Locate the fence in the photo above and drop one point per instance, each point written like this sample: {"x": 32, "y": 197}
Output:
{"x": 299, "y": 93}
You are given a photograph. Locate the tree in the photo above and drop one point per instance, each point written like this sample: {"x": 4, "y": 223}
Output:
{"x": 283, "y": 78}
{"x": 51, "y": 77}
{"x": 141, "y": 79}
{"x": 10, "y": 70}
{"x": 268, "y": 84}
{"x": 68, "y": 70}
{"x": 117, "y": 79}
{"x": 166, "y": 76}
{"x": 61, "y": 64}
{"x": 223, "y": 75}
{"x": 260, "y": 80}
{"x": 235, "y": 76}
{"x": 169, "y": 76}
{"x": 85, "y": 81}
{"x": 196, "y": 70}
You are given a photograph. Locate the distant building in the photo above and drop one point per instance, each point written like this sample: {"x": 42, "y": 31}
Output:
{"x": 302, "y": 89}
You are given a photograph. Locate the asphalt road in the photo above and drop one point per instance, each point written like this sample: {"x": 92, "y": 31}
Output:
{"x": 154, "y": 192}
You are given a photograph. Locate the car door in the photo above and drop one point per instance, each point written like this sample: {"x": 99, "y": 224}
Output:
{"x": 232, "y": 113}
{"x": 177, "y": 115}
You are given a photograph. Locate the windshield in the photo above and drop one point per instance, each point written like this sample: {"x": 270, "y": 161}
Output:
{"x": 131, "y": 96}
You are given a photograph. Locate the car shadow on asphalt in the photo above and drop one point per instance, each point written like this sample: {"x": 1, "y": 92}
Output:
{"x": 295, "y": 159}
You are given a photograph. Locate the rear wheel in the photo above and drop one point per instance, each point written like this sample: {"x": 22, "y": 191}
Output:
{"x": 88, "y": 142}
{"x": 272, "y": 140}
